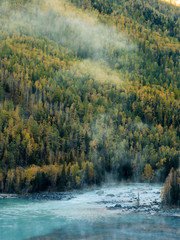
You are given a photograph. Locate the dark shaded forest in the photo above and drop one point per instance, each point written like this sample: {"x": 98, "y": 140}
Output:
{"x": 89, "y": 91}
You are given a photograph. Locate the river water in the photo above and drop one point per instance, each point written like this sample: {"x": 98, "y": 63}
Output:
{"x": 128, "y": 212}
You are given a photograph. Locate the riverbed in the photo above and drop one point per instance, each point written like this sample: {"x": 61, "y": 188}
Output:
{"x": 125, "y": 211}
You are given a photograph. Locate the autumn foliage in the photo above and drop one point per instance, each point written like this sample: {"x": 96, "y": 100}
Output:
{"x": 87, "y": 89}
{"x": 171, "y": 190}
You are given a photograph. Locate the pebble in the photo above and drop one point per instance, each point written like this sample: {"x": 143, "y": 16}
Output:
{"x": 100, "y": 192}
{"x": 110, "y": 195}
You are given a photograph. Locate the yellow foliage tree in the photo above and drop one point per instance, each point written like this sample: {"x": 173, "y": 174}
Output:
{"x": 30, "y": 174}
{"x": 171, "y": 191}
{"x": 148, "y": 173}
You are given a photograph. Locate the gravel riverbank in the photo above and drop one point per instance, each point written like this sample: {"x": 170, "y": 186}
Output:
{"x": 43, "y": 196}
{"x": 122, "y": 200}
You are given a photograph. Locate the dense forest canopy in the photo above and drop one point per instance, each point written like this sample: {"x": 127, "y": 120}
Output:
{"x": 89, "y": 91}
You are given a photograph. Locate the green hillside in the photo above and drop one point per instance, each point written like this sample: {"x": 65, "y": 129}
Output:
{"x": 89, "y": 91}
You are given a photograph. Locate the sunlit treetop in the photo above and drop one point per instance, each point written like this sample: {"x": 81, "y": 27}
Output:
{"x": 174, "y": 2}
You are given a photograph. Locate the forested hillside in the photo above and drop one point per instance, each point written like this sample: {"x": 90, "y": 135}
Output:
{"x": 89, "y": 91}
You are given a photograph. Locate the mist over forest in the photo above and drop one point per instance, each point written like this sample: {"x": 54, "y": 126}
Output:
{"x": 89, "y": 93}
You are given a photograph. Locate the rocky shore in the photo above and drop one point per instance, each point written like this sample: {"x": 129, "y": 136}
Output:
{"x": 8, "y": 196}
{"x": 136, "y": 200}
{"x": 123, "y": 201}
{"x": 151, "y": 208}
{"x": 48, "y": 196}
{"x": 43, "y": 196}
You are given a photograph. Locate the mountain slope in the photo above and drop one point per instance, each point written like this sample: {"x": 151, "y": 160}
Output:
{"x": 88, "y": 90}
